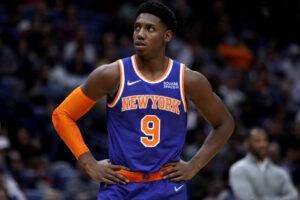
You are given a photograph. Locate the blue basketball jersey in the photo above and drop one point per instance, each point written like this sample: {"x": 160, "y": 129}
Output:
{"x": 147, "y": 119}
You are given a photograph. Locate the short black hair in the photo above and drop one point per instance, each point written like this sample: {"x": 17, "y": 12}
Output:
{"x": 161, "y": 11}
{"x": 249, "y": 132}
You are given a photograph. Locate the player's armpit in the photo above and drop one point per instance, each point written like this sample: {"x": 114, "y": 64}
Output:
{"x": 199, "y": 91}
{"x": 64, "y": 117}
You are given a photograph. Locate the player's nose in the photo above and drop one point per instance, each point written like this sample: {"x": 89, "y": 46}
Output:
{"x": 141, "y": 34}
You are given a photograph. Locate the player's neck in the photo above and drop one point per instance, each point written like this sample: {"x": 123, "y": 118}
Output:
{"x": 152, "y": 64}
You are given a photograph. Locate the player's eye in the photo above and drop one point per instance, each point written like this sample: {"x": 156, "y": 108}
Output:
{"x": 137, "y": 27}
{"x": 150, "y": 28}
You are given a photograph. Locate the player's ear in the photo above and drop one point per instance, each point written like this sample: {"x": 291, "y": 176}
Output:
{"x": 168, "y": 36}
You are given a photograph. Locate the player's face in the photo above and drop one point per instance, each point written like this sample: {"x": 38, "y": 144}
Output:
{"x": 258, "y": 143}
{"x": 150, "y": 35}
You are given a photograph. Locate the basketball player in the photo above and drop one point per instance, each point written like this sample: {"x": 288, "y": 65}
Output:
{"x": 146, "y": 116}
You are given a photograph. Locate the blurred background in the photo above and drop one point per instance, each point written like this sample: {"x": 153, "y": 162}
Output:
{"x": 249, "y": 51}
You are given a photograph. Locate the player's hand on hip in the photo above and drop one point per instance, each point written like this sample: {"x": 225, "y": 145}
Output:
{"x": 103, "y": 171}
{"x": 181, "y": 171}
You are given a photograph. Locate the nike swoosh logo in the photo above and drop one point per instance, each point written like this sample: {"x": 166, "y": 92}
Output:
{"x": 178, "y": 188}
{"x": 134, "y": 82}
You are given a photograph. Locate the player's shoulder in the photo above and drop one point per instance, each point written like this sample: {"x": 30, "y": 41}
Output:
{"x": 106, "y": 73}
{"x": 194, "y": 80}
{"x": 193, "y": 75}
{"x": 279, "y": 170}
{"x": 104, "y": 78}
{"x": 110, "y": 69}
{"x": 239, "y": 165}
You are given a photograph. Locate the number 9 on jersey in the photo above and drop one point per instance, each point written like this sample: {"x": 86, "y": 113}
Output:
{"x": 150, "y": 126}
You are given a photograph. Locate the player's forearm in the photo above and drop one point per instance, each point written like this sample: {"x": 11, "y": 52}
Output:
{"x": 64, "y": 117}
{"x": 69, "y": 132}
{"x": 213, "y": 143}
{"x": 86, "y": 159}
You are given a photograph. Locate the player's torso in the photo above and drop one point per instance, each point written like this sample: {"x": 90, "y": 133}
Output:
{"x": 147, "y": 119}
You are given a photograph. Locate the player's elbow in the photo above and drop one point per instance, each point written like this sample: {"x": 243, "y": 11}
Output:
{"x": 58, "y": 117}
{"x": 231, "y": 124}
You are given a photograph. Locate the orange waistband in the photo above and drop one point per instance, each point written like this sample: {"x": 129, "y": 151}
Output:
{"x": 142, "y": 177}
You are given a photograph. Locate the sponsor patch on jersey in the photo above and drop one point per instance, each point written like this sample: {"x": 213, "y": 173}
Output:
{"x": 171, "y": 85}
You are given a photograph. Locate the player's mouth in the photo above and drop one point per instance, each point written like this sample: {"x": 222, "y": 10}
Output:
{"x": 140, "y": 45}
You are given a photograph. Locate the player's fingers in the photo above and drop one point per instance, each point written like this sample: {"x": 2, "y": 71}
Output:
{"x": 114, "y": 178}
{"x": 117, "y": 177}
{"x": 168, "y": 171}
{"x": 122, "y": 179}
{"x": 170, "y": 164}
{"x": 177, "y": 179}
{"x": 172, "y": 175}
{"x": 108, "y": 182}
{"x": 119, "y": 167}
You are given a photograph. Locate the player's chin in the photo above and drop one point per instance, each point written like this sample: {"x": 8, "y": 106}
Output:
{"x": 141, "y": 52}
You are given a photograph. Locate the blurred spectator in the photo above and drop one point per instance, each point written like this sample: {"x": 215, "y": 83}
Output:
{"x": 263, "y": 98}
{"x": 275, "y": 153}
{"x": 231, "y": 93}
{"x": 3, "y": 192}
{"x": 82, "y": 186}
{"x": 217, "y": 191}
{"x": 108, "y": 48}
{"x": 40, "y": 14}
{"x": 52, "y": 194}
{"x": 28, "y": 147}
{"x": 80, "y": 40}
{"x": 8, "y": 63}
{"x": 256, "y": 176}
{"x": 291, "y": 160}
{"x": 291, "y": 69}
{"x": 4, "y": 143}
{"x": 181, "y": 50}
{"x": 216, "y": 22}
{"x": 77, "y": 65}
{"x": 68, "y": 24}
{"x": 7, "y": 182}
{"x": 59, "y": 75}
{"x": 235, "y": 54}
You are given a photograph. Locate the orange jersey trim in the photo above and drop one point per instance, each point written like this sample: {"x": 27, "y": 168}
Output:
{"x": 64, "y": 117}
{"x": 121, "y": 86}
{"x": 182, "y": 86}
{"x": 148, "y": 80}
{"x": 142, "y": 177}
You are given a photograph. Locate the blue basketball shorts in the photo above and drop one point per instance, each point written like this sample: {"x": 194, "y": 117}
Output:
{"x": 152, "y": 190}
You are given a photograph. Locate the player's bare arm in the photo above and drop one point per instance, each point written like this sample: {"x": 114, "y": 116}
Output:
{"x": 103, "y": 81}
{"x": 198, "y": 90}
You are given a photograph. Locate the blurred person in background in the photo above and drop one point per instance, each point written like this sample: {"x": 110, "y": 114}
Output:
{"x": 291, "y": 160}
{"x": 82, "y": 185}
{"x": 256, "y": 176}
{"x": 291, "y": 69}
{"x": 80, "y": 40}
{"x": 52, "y": 194}
{"x": 8, "y": 63}
{"x": 8, "y": 183}
{"x": 3, "y": 193}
